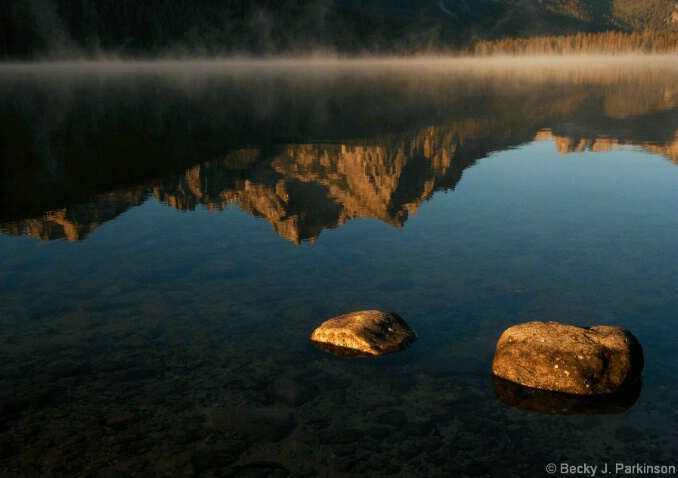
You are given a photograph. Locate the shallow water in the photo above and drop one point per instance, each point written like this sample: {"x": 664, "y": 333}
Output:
{"x": 172, "y": 236}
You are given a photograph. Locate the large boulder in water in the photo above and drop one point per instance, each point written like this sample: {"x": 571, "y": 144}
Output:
{"x": 569, "y": 359}
{"x": 363, "y": 334}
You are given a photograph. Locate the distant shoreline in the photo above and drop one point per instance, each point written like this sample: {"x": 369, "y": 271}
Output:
{"x": 602, "y": 43}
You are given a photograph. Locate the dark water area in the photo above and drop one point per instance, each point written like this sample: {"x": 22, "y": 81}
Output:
{"x": 173, "y": 233}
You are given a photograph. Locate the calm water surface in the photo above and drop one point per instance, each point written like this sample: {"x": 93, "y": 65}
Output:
{"x": 172, "y": 234}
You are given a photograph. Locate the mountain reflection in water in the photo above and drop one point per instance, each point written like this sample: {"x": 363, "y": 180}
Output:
{"x": 305, "y": 147}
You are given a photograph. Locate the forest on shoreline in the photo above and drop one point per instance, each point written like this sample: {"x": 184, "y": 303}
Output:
{"x": 603, "y": 43}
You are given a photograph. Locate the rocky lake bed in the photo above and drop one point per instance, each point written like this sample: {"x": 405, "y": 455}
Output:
{"x": 187, "y": 405}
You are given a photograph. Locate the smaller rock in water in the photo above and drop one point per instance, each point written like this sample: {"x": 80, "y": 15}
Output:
{"x": 364, "y": 334}
{"x": 569, "y": 359}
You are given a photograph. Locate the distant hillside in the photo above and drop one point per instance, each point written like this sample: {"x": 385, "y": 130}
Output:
{"x": 35, "y": 28}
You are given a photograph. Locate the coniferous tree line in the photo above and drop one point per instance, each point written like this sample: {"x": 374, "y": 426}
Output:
{"x": 606, "y": 43}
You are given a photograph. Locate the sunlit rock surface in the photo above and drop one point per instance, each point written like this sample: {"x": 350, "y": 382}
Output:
{"x": 363, "y": 334}
{"x": 556, "y": 403}
{"x": 564, "y": 358}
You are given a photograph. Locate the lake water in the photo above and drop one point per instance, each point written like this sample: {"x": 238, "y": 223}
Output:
{"x": 173, "y": 233}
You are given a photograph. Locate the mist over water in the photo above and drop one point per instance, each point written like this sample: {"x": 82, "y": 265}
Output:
{"x": 589, "y": 63}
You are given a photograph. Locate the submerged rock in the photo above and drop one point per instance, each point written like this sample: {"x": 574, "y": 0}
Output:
{"x": 569, "y": 359}
{"x": 255, "y": 423}
{"x": 292, "y": 393}
{"x": 363, "y": 334}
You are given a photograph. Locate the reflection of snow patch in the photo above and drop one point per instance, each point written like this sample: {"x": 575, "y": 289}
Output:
{"x": 446, "y": 10}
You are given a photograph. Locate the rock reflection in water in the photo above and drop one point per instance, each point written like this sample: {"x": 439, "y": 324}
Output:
{"x": 306, "y": 151}
{"x": 544, "y": 401}
{"x": 76, "y": 222}
{"x": 306, "y": 188}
